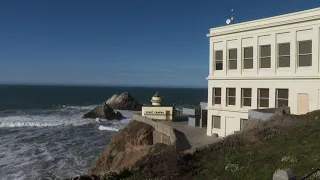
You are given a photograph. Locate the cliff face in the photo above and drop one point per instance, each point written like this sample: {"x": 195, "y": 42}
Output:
{"x": 125, "y": 147}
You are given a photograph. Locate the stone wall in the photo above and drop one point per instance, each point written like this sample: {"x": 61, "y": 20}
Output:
{"x": 163, "y": 133}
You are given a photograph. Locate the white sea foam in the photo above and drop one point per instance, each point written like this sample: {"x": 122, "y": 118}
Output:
{"x": 108, "y": 128}
{"x": 62, "y": 116}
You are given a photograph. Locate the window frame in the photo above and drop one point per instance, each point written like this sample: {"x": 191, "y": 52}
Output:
{"x": 248, "y": 58}
{"x": 259, "y": 97}
{"x": 235, "y": 97}
{"x": 213, "y": 122}
{"x": 242, "y": 97}
{"x": 264, "y": 57}
{"x": 277, "y": 97}
{"x": 305, "y": 54}
{"x": 214, "y": 95}
{"x": 215, "y": 60}
{"x": 232, "y": 59}
{"x": 287, "y": 55}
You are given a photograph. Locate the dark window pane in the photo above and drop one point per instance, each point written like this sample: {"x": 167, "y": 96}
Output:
{"x": 231, "y": 101}
{"x": 264, "y": 103}
{"x": 284, "y": 61}
{"x": 305, "y": 47}
{"x": 282, "y": 103}
{"x": 265, "y": 50}
{"x": 217, "y": 91}
{"x": 244, "y": 124}
{"x": 246, "y": 101}
{"x": 219, "y": 65}
{"x": 264, "y": 93}
{"x": 265, "y": 62}
{"x": 232, "y": 64}
{"x": 232, "y": 53}
{"x": 231, "y": 92}
{"x": 216, "y": 122}
{"x": 246, "y": 92}
{"x": 247, "y": 63}
{"x": 283, "y": 93}
{"x": 248, "y": 52}
{"x": 217, "y": 100}
{"x": 218, "y": 55}
{"x": 305, "y": 60}
{"x": 284, "y": 49}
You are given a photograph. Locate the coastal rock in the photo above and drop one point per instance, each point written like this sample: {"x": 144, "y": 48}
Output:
{"x": 126, "y": 146}
{"x": 104, "y": 112}
{"x": 124, "y": 101}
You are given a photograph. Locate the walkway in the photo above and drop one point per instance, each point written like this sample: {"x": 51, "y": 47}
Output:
{"x": 196, "y": 136}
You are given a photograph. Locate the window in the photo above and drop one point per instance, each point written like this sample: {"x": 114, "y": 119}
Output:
{"x": 231, "y": 96}
{"x": 305, "y": 53}
{"x": 216, "y": 96}
{"x": 263, "y": 97}
{"x": 216, "y": 122}
{"x": 243, "y": 124}
{"x": 232, "y": 58}
{"x": 282, "y": 97}
{"x": 265, "y": 56}
{"x": 284, "y": 55}
{"x": 248, "y": 58}
{"x": 218, "y": 60}
{"x": 246, "y": 97}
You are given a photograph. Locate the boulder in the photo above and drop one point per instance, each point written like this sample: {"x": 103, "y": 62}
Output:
{"x": 124, "y": 101}
{"x": 104, "y": 112}
{"x": 126, "y": 147}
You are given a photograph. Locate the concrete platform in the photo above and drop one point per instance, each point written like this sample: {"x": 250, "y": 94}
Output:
{"x": 196, "y": 136}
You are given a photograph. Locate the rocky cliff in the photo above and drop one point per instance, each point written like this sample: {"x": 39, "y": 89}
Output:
{"x": 104, "y": 112}
{"x": 125, "y": 147}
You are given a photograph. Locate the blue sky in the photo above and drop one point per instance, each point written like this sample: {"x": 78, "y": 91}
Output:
{"x": 119, "y": 42}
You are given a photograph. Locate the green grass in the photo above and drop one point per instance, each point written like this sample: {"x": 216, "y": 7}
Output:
{"x": 295, "y": 148}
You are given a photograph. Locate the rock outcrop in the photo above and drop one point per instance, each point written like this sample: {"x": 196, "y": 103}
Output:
{"x": 124, "y": 101}
{"x": 104, "y": 112}
{"x": 125, "y": 147}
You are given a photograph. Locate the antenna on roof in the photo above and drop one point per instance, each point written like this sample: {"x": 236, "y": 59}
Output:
{"x": 231, "y": 20}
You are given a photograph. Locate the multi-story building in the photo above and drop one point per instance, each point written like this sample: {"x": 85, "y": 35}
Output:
{"x": 264, "y": 63}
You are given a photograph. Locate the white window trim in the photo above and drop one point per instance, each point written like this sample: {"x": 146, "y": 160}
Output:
{"x": 278, "y": 55}
{"x": 235, "y": 100}
{"x": 232, "y": 59}
{"x": 217, "y": 60}
{"x": 298, "y": 59}
{"x": 259, "y": 98}
{"x": 242, "y": 98}
{"x": 214, "y": 96}
{"x": 277, "y": 96}
{"x": 262, "y": 57}
{"x": 243, "y": 58}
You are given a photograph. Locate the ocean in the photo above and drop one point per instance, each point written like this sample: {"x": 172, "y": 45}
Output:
{"x": 42, "y": 135}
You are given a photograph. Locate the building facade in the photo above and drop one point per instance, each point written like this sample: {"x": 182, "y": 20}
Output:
{"x": 265, "y": 63}
{"x": 157, "y": 110}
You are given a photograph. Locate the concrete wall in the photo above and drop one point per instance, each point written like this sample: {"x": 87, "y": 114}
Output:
{"x": 165, "y": 133}
{"x": 157, "y": 112}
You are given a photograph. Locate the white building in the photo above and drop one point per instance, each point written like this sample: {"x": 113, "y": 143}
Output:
{"x": 263, "y": 63}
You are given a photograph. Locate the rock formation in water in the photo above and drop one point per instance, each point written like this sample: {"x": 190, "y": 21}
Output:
{"x": 104, "y": 112}
{"x": 124, "y": 101}
{"x": 126, "y": 147}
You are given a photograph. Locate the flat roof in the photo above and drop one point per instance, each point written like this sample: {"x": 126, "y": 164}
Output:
{"x": 297, "y": 16}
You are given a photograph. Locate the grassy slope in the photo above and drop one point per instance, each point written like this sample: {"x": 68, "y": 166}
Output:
{"x": 253, "y": 155}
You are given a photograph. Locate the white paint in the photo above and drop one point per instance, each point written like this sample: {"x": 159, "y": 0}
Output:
{"x": 294, "y": 27}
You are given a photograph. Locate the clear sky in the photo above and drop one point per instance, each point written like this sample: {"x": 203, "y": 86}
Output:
{"x": 119, "y": 42}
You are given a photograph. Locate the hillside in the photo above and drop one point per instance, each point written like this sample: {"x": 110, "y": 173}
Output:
{"x": 284, "y": 142}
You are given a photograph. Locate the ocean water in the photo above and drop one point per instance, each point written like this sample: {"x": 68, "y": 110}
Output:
{"x": 42, "y": 135}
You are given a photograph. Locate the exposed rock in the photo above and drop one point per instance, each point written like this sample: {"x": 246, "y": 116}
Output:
{"x": 104, "y": 112}
{"x": 124, "y": 101}
{"x": 125, "y": 147}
